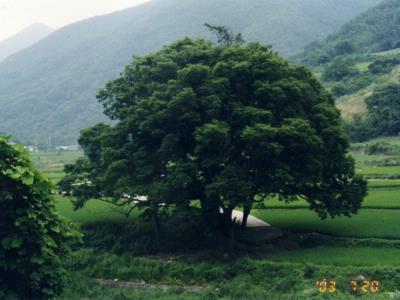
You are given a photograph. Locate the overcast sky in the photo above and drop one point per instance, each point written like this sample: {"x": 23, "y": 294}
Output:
{"x": 15, "y": 15}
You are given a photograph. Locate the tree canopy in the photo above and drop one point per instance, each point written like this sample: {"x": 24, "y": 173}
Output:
{"x": 224, "y": 124}
{"x": 33, "y": 237}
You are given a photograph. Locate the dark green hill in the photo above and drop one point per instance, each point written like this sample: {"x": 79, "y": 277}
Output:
{"x": 47, "y": 92}
{"x": 376, "y": 30}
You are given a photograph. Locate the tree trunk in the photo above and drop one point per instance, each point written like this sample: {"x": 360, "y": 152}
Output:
{"x": 226, "y": 223}
{"x": 227, "y": 216}
{"x": 157, "y": 227}
{"x": 227, "y": 226}
{"x": 210, "y": 212}
{"x": 246, "y": 211}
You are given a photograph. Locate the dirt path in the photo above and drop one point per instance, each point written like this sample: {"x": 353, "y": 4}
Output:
{"x": 142, "y": 286}
{"x": 260, "y": 230}
{"x": 252, "y": 222}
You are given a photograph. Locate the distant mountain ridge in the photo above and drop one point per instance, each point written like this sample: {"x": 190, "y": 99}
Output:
{"x": 48, "y": 90}
{"x": 362, "y": 57}
{"x": 24, "y": 39}
{"x": 376, "y": 30}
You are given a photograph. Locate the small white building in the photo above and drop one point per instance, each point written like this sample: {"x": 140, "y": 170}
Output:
{"x": 31, "y": 148}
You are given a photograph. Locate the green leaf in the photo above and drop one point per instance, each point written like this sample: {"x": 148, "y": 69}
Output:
{"x": 37, "y": 260}
{"x": 27, "y": 179}
{"x": 11, "y": 242}
{"x": 56, "y": 229}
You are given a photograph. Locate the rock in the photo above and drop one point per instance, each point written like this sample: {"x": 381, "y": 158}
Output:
{"x": 359, "y": 278}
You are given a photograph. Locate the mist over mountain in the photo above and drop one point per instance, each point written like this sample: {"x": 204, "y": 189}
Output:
{"x": 48, "y": 90}
{"x": 23, "y": 39}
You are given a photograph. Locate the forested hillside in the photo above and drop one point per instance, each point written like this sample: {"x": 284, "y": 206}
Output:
{"x": 360, "y": 64}
{"x": 47, "y": 92}
{"x": 23, "y": 39}
{"x": 376, "y": 30}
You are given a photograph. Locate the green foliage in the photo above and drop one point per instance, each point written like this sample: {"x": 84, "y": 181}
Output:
{"x": 384, "y": 110}
{"x": 224, "y": 35}
{"x": 373, "y": 31}
{"x": 244, "y": 278}
{"x": 383, "y": 115}
{"x": 217, "y": 123}
{"x": 369, "y": 71}
{"x": 381, "y": 148}
{"x": 62, "y": 73}
{"x": 340, "y": 68}
{"x": 358, "y": 129}
{"x": 340, "y": 89}
{"x": 384, "y": 65}
{"x": 182, "y": 231}
{"x": 34, "y": 239}
{"x": 80, "y": 287}
{"x": 344, "y": 47}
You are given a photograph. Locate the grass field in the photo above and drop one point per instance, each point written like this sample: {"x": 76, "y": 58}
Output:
{"x": 377, "y": 223}
{"x": 384, "y": 184}
{"x": 51, "y": 162}
{"x": 93, "y": 211}
{"x": 378, "y": 219}
{"x": 387, "y": 196}
{"x": 377, "y": 172}
{"x": 341, "y": 256}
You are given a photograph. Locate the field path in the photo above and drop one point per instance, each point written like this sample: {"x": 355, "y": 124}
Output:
{"x": 143, "y": 286}
{"x": 260, "y": 230}
{"x": 252, "y": 221}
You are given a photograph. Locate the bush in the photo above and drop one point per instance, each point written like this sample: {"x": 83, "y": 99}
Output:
{"x": 379, "y": 149}
{"x": 340, "y": 68}
{"x": 358, "y": 129}
{"x": 383, "y": 65}
{"x": 340, "y": 89}
{"x": 34, "y": 239}
{"x": 384, "y": 110}
{"x": 344, "y": 47}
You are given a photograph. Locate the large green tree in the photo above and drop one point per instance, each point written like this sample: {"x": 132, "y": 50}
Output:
{"x": 227, "y": 124}
{"x": 34, "y": 239}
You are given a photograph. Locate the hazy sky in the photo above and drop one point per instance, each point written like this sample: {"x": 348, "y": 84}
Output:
{"x": 18, "y": 14}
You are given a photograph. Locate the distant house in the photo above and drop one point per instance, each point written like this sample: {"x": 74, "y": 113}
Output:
{"x": 31, "y": 148}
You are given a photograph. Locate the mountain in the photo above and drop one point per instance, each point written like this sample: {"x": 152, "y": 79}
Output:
{"x": 23, "y": 39}
{"x": 362, "y": 57}
{"x": 48, "y": 90}
{"x": 376, "y": 30}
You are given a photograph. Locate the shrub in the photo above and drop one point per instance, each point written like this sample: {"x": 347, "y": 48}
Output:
{"x": 34, "y": 239}
{"x": 340, "y": 68}
{"x": 340, "y": 89}
{"x": 383, "y": 65}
